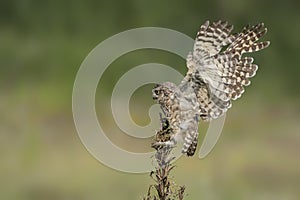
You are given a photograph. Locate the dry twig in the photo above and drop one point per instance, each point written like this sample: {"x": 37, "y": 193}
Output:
{"x": 164, "y": 188}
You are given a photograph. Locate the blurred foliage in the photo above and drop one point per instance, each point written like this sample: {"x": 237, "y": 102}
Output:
{"x": 47, "y": 40}
{"x": 42, "y": 44}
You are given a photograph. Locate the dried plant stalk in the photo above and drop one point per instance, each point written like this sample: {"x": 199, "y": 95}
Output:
{"x": 164, "y": 188}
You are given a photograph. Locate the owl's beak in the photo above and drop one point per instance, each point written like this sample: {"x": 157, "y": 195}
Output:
{"x": 155, "y": 92}
{"x": 154, "y": 96}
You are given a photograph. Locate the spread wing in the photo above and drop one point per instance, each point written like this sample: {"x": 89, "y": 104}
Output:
{"x": 218, "y": 76}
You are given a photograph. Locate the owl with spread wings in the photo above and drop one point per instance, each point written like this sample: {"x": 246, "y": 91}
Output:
{"x": 217, "y": 73}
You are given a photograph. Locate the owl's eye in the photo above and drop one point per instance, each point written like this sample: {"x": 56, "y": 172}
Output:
{"x": 156, "y": 92}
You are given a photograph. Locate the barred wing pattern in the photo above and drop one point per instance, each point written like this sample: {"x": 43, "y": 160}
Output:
{"x": 224, "y": 74}
{"x": 217, "y": 74}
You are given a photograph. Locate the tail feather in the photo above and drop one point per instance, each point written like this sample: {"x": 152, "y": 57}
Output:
{"x": 190, "y": 149}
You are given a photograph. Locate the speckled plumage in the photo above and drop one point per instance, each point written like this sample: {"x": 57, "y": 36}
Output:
{"x": 214, "y": 78}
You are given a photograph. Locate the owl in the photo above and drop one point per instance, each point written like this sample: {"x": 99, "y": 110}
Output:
{"x": 217, "y": 74}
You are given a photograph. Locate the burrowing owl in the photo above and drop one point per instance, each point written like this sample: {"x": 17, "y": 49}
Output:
{"x": 217, "y": 74}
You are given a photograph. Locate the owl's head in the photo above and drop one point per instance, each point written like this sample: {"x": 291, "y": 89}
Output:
{"x": 164, "y": 92}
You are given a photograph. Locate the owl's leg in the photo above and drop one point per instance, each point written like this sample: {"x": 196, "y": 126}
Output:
{"x": 163, "y": 137}
{"x": 163, "y": 109}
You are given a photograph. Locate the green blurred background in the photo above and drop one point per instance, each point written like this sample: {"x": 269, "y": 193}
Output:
{"x": 42, "y": 44}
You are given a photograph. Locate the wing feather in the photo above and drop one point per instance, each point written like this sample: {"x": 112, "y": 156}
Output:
{"x": 217, "y": 76}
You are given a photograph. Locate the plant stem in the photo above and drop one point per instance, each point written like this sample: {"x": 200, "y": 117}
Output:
{"x": 164, "y": 188}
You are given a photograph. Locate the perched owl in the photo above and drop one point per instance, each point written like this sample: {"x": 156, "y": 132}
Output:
{"x": 217, "y": 73}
